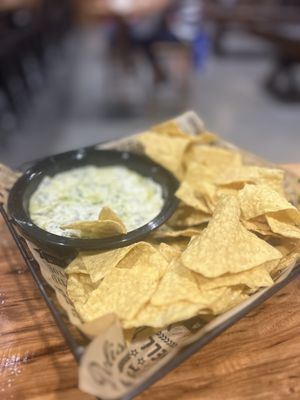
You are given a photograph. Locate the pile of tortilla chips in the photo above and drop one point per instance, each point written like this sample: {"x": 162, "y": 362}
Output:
{"x": 232, "y": 234}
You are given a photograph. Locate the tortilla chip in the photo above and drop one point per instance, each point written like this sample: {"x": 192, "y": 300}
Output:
{"x": 285, "y": 246}
{"x": 254, "y": 278}
{"x": 238, "y": 177}
{"x": 107, "y": 214}
{"x": 100, "y": 263}
{"x": 225, "y": 245}
{"x": 122, "y": 292}
{"x": 288, "y": 260}
{"x": 201, "y": 179}
{"x": 205, "y": 137}
{"x": 180, "y": 284}
{"x": 188, "y": 195}
{"x": 77, "y": 266}
{"x": 283, "y": 226}
{"x": 96, "y": 229}
{"x": 178, "y": 244}
{"x": 257, "y": 200}
{"x": 216, "y": 158}
{"x": 166, "y": 232}
{"x": 223, "y": 191}
{"x": 230, "y": 299}
{"x": 170, "y": 253}
{"x": 166, "y": 151}
{"x": 161, "y": 316}
{"x": 79, "y": 287}
{"x": 177, "y": 284}
{"x": 186, "y": 216}
{"x": 169, "y": 128}
{"x": 257, "y": 226}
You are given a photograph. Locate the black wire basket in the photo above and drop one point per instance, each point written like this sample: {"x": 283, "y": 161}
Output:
{"x": 77, "y": 342}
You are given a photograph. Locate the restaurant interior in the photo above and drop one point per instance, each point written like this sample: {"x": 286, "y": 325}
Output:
{"x": 221, "y": 234}
{"x": 78, "y": 72}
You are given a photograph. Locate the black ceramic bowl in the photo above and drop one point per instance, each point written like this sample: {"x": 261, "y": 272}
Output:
{"x": 64, "y": 248}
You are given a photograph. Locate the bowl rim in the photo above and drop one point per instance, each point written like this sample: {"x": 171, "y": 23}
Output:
{"x": 20, "y": 216}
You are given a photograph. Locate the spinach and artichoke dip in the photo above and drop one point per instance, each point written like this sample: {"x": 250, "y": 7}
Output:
{"x": 81, "y": 193}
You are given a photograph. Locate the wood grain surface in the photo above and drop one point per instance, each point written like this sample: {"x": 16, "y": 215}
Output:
{"x": 257, "y": 358}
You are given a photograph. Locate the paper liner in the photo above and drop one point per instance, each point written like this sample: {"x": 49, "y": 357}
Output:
{"x": 111, "y": 368}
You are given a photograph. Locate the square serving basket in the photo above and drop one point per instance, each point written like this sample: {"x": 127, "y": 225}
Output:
{"x": 76, "y": 341}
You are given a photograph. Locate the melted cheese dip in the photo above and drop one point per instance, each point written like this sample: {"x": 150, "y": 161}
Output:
{"x": 81, "y": 193}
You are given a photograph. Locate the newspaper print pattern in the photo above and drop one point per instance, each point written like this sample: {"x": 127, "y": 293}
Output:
{"x": 108, "y": 367}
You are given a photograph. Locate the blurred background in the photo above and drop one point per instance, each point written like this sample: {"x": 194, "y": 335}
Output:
{"x": 78, "y": 72}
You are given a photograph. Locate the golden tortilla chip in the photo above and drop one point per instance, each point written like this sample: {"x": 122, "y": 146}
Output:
{"x": 288, "y": 260}
{"x": 108, "y": 224}
{"x": 171, "y": 128}
{"x": 107, "y": 214}
{"x": 196, "y": 174}
{"x": 257, "y": 200}
{"x": 161, "y": 316}
{"x": 188, "y": 195}
{"x": 205, "y": 138}
{"x": 79, "y": 287}
{"x": 225, "y": 245}
{"x": 283, "y": 226}
{"x": 285, "y": 246}
{"x": 179, "y": 284}
{"x": 166, "y": 151}
{"x": 146, "y": 255}
{"x": 238, "y": 177}
{"x": 258, "y": 226}
{"x": 99, "y": 263}
{"x": 122, "y": 292}
{"x": 223, "y": 191}
{"x": 186, "y": 216}
{"x": 253, "y": 278}
{"x": 165, "y": 232}
{"x": 77, "y": 266}
{"x": 170, "y": 253}
{"x": 231, "y": 298}
{"x": 201, "y": 179}
{"x": 215, "y": 158}
{"x": 178, "y": 244}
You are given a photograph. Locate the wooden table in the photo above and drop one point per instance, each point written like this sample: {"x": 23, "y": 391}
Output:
{"x": 257, "y": 358}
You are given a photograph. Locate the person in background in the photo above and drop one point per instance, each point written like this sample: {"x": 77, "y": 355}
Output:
{"x": 140, "y": 24}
